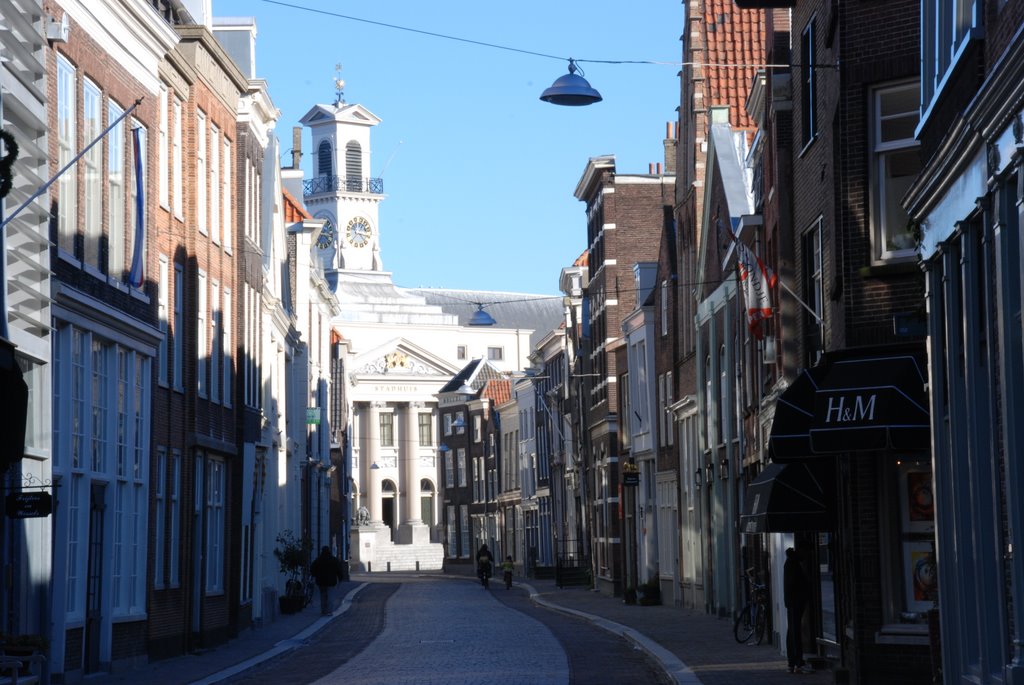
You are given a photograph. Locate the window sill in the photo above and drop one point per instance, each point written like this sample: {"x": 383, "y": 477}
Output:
{"x": 903, "y": 634}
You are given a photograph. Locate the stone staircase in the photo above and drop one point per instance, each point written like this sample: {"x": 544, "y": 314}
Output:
{"x": 388, "y": 556}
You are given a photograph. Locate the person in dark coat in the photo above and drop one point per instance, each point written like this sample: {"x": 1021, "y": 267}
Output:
{"x": 326, "y": 571}
{"x": 795, "y": 593}
{"x": 484, "y": 559}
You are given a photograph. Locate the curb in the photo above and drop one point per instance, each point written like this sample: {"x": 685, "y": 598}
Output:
{"x": 677, "y": 671}
{"x": 287, "y": 645}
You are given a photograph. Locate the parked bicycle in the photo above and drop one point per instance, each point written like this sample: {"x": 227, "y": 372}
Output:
{"x": 753, "y": 619}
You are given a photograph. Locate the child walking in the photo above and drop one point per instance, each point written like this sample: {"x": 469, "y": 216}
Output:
{"x": 507, "y": 566}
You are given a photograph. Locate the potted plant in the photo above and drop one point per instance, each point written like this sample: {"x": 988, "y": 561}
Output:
{"x": 292, "y": 555}
{"x": 649, "y": 593}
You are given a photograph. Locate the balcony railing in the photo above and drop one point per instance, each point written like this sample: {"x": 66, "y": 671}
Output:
{"x": 334, "y": 184}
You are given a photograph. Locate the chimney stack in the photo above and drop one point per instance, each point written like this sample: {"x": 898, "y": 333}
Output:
{"x": 296, "y": 146}
{"x": 671, "y": 143}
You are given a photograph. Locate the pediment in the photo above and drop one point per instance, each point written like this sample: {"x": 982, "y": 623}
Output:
{"x": 399, "y": 357}
{"x": 342, "y": 113}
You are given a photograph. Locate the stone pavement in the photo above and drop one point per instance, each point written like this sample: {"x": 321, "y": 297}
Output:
{"x": 694, "y": 648}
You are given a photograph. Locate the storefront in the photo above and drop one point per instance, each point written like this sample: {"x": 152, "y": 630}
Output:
{"x": 851, "y": 479}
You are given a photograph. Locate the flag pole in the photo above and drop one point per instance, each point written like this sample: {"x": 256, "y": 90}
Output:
{"x": 43, "y": 188}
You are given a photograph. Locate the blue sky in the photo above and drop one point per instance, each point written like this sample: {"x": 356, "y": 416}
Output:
{"x": 479, "y": 173}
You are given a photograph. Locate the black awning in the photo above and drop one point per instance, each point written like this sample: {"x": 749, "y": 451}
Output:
{"x": 852, "y": 403}
{"x": 872, "y": 403}
{"x": 786, "y": 498}
{"x": 790, "y": 437}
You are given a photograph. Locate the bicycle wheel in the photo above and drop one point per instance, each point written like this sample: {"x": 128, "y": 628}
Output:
{"x": 760, "y": 622}
{"x": 744, "y": 626}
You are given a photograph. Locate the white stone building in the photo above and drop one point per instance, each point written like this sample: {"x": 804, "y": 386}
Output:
{"x": 403, "y": 346}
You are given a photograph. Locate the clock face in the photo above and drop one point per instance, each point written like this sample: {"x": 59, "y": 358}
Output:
{"x": 326, "y": 237}
{"x": 358, "y": 232}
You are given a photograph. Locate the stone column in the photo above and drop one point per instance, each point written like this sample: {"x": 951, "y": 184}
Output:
{"x": 371, "y": 457}
{"x": 412, "y": 529}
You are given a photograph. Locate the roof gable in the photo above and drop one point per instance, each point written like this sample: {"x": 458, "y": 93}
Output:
{"x": 399, "y": 357}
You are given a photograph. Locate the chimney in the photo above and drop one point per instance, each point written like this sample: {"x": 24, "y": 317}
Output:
{"x": 671, "y": 143}
{"x": 296, "y": 146}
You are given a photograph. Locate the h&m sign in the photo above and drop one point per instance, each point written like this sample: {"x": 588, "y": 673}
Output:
{"x": 842, "y": 409}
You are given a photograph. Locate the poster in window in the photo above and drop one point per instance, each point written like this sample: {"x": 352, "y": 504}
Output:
{"x": 918, "y": 502}
{"x": 921, "y": 576}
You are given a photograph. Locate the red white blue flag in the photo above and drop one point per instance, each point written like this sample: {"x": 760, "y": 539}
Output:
{"x": 757, "y": 280}
{"x": 138, "y": 270}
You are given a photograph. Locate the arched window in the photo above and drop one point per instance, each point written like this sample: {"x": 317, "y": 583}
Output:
{"x": 325, "y": 166}
{"x": 354, "y": 165}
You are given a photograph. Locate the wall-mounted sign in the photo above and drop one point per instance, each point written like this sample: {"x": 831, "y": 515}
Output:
{"x": 630, "y": 474}
{"x": 25, "y": 505}
{"x": 312, "y": 416}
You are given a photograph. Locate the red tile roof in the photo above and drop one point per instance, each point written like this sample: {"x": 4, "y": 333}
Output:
{"x": 294, "y": 212}
{"x": 734, "y": 37}
{"x": 499, "y": 391}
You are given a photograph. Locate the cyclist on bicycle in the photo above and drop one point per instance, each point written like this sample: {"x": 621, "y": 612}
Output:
{"x": 484, "y": 560}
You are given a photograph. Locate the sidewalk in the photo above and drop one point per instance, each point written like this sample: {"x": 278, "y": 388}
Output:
{"x": 694, "y": 648}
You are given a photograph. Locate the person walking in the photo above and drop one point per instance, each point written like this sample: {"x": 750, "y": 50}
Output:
{"x": 795, "y": 594}
{"x": 326, "y": 570}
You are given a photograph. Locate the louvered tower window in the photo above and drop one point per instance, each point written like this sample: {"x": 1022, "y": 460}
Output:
{"x": 324, "y": 166}
{"x": 354, "y": 165}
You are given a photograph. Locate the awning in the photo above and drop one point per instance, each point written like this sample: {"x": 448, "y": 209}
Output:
{"x": 849, "y": 404}
{"x": 872, "y": 403}
{"x": 790, "y": 437}
{"x": 786, "y": 498}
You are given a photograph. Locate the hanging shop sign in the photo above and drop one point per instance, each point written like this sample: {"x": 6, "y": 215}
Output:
{"x": 26, "y": 505}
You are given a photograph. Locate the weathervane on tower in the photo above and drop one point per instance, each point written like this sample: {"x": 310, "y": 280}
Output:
{"x": 339, "y": 85}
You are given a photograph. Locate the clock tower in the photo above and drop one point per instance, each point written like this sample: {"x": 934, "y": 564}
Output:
{"x": 341, "y": 190}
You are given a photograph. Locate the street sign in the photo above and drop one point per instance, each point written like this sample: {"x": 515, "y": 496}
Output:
{"x": 26, "y": 505}
{"x": 312, "y": 416}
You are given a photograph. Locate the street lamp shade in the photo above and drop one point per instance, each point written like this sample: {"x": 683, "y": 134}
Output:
{"x": 571, "y": 89}
{"x": 481, "y": 318}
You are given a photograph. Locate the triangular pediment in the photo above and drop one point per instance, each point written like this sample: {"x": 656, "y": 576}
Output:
{"x": 340, "y": 113}
{"x": 400, "y": 357}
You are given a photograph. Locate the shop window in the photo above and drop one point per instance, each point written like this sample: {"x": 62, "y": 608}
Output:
{"x": 908, "y": 547}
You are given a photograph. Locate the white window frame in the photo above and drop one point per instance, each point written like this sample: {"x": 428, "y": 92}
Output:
{"x": 163, "y": 292}
{"x": 449, "y": 469}
{"x": 884, "y": 191}
{"x": 177, "y": 168}
{"x": 226, "y": 358}
{"x": 215, "y": 497}
{"x": 809, "y": 84}
{"x": 116, "y": 193}
{"x": 947, "y": 28}
{"x": 163, "y": 150}
{"x": 496, "y": 354}
{"x": 92, "y": 171}
{"x": 160, "y": 512}
{"x": 227, "y": 230}
{"x": 174, "y": 539}
{"x": 67, "y": 148}
{"x": 216, "y": 344}
{"x": 178, "y": 356}
{"x": 133, "y": 193}
{"x": 202, "y": 175}
{"x": 202, "y": 333}
{"x": 461, "y": 466}
{"x": 215, "y": 185}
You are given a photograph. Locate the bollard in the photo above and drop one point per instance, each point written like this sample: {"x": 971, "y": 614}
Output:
{"x": 417, "y": 564}
{"x": 389, "y": 567}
